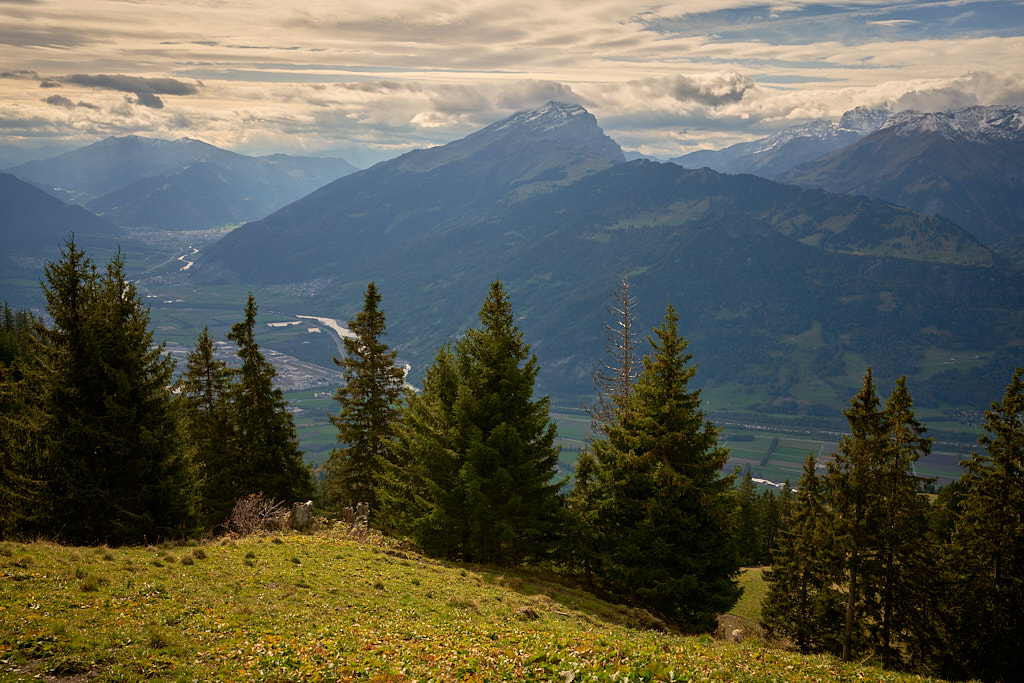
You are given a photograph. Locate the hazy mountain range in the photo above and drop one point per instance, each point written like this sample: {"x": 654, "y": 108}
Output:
{"x": 779, "y": 287}
{"x": 966, "y": 164}
{"x": 767, "y": 277}
{"x": 778, "y": 154}
{"x": 178, "y": 185}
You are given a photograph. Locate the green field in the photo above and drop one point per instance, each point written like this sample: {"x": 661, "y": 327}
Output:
{"x": 325, "y": 607}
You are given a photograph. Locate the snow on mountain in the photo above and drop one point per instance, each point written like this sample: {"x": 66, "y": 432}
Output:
{"x": 996, "y": 122}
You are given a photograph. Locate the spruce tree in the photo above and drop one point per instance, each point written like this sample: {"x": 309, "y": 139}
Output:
{"x": 117, "y": 474}
{"x": 478, "y": 450}
{"x": 878, "y": 519}
{"x": 208, "y": 423}
{"x": 851, "y": 485}
{"x": 368, "y": 400}
{"x": 663, "y": 506}
{"x": 802, "y": 603}
{"x": 416, "y": 487}
{"x": 987, "y": 619}
{"x": 616, "y": 372}
{"x": 893, "y": 587}
{"x": 265, "y": 438}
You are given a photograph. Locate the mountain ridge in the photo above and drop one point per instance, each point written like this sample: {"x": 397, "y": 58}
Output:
{"x": 965, "y": 164}
{"x": 751, "y": 264}
{"x": 142, "y": 182}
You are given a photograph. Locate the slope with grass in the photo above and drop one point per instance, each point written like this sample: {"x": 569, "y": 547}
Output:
{"x": 326, "y": 607}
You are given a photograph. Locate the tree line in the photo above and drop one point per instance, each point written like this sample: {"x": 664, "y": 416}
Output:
{"x": 101, "y": 445}
{"x": 869, "y": 565}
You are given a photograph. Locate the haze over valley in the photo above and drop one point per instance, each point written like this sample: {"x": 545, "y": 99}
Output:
{"x": 786, "y": 292}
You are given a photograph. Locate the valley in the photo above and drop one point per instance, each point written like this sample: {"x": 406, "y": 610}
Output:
{"x": 786, "y": 294}
{"x": 771, "y": 444}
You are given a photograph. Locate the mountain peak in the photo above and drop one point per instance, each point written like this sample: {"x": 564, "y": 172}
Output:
{"x": 996, "y": 122}
{"x": 559, "y": 122}
{"x": 548, "y": 117}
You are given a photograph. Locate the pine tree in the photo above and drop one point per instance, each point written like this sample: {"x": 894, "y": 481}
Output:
{"x": 478, "y": 450}
{"x": 893, "y": 586}
{"x": 988, "y": 546}
{"x": 851, "y": 484}
{"x": 368, "y": 400}
{"x": 663, "y": 507}
{"x": 416, "y": 486}
{"x": 265, "y": 436}
{"x": 878, "y": 519}
{"x": 110, "y": 430}
{"x": 205, "y": 390}
{"x": 802, "y": 603}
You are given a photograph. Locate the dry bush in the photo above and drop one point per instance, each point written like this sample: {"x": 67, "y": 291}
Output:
{"x": 255, "y": 514}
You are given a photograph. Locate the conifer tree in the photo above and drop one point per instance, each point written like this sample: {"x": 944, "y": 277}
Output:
{"x": 663, "y": 506}
{"x": 118, "y": 475}
{"x": 266, "y": 440}
{"x": 893, "y": 587}
{"x": 747, "y": 539}
{"x": 478, "y": 450}
{"x": 878, "y": 519}
{"x": 368, "y": 400}
{"x": 208, "y": 423}
{"x": 988, "y": 546}
{"x": 851, "y": 482}
{"x": 802, "y": 603}
{"x": 416, "y": 487}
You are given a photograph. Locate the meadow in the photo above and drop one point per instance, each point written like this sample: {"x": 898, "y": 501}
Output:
{"x": 326, "y": 606}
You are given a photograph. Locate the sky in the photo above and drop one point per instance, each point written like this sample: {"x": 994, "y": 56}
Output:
{"x": 370, "y": 80}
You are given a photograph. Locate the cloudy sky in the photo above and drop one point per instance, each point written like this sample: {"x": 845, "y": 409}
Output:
{"x": 369, "y": 80}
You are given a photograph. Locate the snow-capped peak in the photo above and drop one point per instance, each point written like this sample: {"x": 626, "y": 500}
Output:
{"x": 545, "y": 118}
{"x": 996, "y": 122}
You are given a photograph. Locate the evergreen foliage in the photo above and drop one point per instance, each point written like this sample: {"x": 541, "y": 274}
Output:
{"x": 18, "y": 441}
{"x": 878, "y": 518}
{"x": 368, "y": 400}
{"x": 802, "y": 602}
{"x": 476, "y": 450}
{"x": 208, "y": 427}
{"x": 662, "y": 510}
{"x": 268, "y": 448}
{"x": 15, "y": 327}
{"x": 107, "y": 421}
{"x": 987, "y": 550}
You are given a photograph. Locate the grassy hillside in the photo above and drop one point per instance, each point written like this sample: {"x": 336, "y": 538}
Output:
{"x": 325, "y": 607}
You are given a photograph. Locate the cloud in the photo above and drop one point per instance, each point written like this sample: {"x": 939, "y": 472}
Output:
{"x": 144, "y": 89}
{"x": 21, "y": 75}
{"x": 59, "y": 101}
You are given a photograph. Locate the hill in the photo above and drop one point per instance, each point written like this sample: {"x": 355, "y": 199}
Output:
{"x": 325, "y": 607}
{"x": 177, "y": 185}
{"x": 35, "y": 224}
{"x": 786, "y": 293}
{"x": 963, "y": 164}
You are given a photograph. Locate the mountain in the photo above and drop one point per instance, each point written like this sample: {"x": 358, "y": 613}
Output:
{"x": 418, "y": 194}
{"x": 779, "y": 288}
{"x": 181, "y": 184}
{"x": 966, "y": 164}
{"x": 773, "y": 156}
{"x": 35, "y": 225}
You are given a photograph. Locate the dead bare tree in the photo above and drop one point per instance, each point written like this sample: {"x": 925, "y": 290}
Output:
{"x": 616, "y": 371}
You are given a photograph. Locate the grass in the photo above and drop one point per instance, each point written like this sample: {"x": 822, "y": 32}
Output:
{"x": 324, "y": 607}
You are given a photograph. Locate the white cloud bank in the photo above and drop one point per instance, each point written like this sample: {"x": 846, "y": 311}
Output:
{"x": 370, "y": 80}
